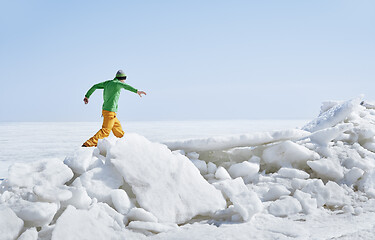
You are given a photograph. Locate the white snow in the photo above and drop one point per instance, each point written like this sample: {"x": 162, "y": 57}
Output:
{"x": 316, "y": 183}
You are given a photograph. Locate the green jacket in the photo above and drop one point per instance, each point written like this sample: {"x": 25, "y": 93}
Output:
{"x": 111, "y": 93}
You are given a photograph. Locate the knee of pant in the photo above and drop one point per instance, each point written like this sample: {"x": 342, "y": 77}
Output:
{"x": 106, "y": 131}
{"x": 119, "y": 134}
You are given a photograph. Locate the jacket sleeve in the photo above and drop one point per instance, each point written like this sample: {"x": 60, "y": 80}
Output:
{"x": 93, "y": 88}
{"x": 128, "y": 87}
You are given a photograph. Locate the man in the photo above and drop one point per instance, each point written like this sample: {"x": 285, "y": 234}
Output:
{"x": 111, "y": 94}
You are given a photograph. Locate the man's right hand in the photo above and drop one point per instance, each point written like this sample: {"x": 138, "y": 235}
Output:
{"x": 140, "y": 93}
{"x": 86, "y": 100}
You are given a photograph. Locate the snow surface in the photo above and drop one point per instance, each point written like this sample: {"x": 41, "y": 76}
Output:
{"x": 315, "y": 183}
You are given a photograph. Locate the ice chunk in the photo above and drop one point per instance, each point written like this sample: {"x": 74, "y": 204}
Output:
{"x": 111, "y": 217}
{"x": 348, "y": 209}
{"x": 288, "y": 153}
{"x": 46, "y": 232}
{"x": 245, "y": 202}
{"x": 327, "y": 168}
{"x": 337, "y": 195}
{"x": 166, "y": 184}
{"x": 243, "y": 169}
{"x": 222, "y": 174}
{"x": 366, "y": 132}
{"x": 299, "y": 183}
{"x": 10, "y": 224}
{"x": 193, "y": 155}
{"x": 52, "y": 193}
{"x": 275, "y": 192}
{"x": 353, "y": 158}
{"x": 95, "y": 223}
{"x": 358, "y": 210}
{"x": 139, "y": 214}
{"x": 34, "y": 214}
{"x": 318, "y": 191}
{"x": 293, "y": 173}
{"x": 285, "y": 207}
{"x": 211, "y": 168}
{"x": 152, "y": 226}
{"x": 353, "y": 175}
{"x": 223, "y": 143}
{"x": 46, "y": 171}
{"x": 29, "y": 234}
{"x": 369, "y": 145}
{"x": 104, "y": 145}
{"x": 324, "y": 136}
{"x": 82, "y": 160}
{"x": 121, "y": 201}
{"x": 79, "y": 198}
{"x": 367, "y": 183}
{"x": 333, "y": 116}
{"x": 201, "y": 165}
{"x": 99, "y": 182}
{"x": 308, "y": 203}
{"x": 326, "y": 105}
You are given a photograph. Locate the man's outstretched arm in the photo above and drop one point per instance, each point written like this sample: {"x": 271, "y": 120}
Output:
{"x": 91, "y": 90}
{"x": 130, "y": 88}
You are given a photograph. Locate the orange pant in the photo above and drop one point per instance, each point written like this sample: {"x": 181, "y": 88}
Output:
{"x": 110, "y": 123}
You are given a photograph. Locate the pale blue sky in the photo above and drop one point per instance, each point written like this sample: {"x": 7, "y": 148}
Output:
{"x": 196, "y": 59}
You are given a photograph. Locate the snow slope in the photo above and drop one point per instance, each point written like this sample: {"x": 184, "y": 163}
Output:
{"x": 317, "y": 182}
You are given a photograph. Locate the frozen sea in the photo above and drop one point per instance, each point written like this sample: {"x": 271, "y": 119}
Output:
{"x": 30, "y": 141}
{"x": 278, "y": 179}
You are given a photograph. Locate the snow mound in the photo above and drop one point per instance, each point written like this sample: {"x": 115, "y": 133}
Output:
{"x": 132, "y": 188}
{"x": 166, "y": 184}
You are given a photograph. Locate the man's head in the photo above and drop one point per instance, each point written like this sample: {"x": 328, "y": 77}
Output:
{"x": 120, "y": 75}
